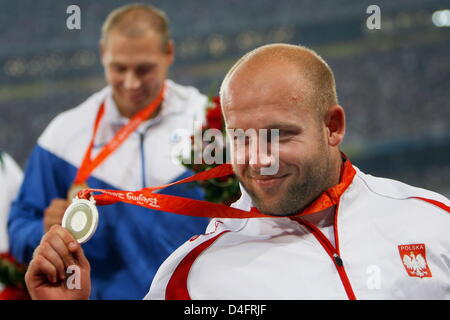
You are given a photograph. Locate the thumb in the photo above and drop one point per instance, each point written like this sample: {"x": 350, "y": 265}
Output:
{"x": 78, "y": 254}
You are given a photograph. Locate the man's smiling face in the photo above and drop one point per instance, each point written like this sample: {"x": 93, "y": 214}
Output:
{"x": 136, "y": 68}
{"x": 262, "y": 97}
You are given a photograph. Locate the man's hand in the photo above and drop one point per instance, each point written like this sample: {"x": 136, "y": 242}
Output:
{"x": 46, "y": 275}
{"x": 55, "y": 212}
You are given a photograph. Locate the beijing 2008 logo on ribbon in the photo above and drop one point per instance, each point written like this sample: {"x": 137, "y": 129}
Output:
{"x": 414, "y": 260}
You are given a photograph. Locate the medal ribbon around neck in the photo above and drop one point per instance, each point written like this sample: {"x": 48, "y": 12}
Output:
{"x": 88, "y": 165}
{"x": 197, "y": 208}
{"x": 174, "y": 204}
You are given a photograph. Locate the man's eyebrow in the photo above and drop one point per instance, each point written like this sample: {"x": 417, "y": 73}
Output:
{"x": 281, "y": 126}
{"x": 139, "y": 65}
{"x": 146, "y": 64}
{"x": 115, "y": 63}
{"x": 284, "y": 126}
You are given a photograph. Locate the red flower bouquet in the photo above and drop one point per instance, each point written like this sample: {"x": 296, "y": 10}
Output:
{"x": 223, "y": 190}
{"x": 12, "y": 277}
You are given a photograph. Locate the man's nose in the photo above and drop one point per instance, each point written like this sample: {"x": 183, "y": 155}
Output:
{"x": 260, "y": 159}
{"x": 131, "y": 81}
{"x": 264, "y": 161}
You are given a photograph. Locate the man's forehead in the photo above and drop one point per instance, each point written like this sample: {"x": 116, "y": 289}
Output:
{"x": 118, "y": 40}
{"x": 135, "y": 50}
{"x": 267, "y": 116}
{"x": 258, "y": 109}
{"x": 118, "y": 57}
{"x": 271, "y": 95}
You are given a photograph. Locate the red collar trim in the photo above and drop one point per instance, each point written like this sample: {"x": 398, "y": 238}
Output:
{"x": 332, "y": 196}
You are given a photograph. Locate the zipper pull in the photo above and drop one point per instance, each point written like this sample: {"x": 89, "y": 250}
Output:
{"x": 338, "y": 260}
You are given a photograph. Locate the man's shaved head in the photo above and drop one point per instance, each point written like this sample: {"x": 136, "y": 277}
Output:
{"x": 315, "y": 77}
{"x": 291, "y": 89}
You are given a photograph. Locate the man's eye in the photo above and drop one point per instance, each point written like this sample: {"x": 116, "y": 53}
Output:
{"x": 283, "y": 135}
{"x": 119, "y": 69}
{"x": 274, "y": 135}
{"x": 144, "y": 70}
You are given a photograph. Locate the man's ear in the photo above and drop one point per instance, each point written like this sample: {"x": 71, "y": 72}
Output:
{"x": 335, "y": 123}
{"x": 101, "y": 51}
{"x": 171, "y": 51}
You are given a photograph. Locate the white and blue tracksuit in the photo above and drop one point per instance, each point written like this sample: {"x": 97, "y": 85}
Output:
{"x": 131, "y": 241}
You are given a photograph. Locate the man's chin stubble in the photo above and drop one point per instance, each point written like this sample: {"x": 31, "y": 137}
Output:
{"x": 290, "y": 205}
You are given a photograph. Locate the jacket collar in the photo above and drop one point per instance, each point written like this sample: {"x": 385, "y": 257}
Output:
{"x": 330, "y": 197}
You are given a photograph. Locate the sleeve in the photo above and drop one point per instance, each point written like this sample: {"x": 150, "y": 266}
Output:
{"x": 39, "y": 187}
{"x": 13, "y": 176}
{"x": 10, "y": 179}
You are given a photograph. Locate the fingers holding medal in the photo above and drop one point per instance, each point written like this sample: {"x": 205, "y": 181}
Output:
{"x": 75, "y": 189}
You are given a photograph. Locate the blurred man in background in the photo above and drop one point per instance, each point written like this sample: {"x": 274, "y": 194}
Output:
{"x": 136, "y": 52}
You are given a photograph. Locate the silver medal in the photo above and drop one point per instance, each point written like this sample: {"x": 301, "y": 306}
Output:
{"x": 81, "y": 219}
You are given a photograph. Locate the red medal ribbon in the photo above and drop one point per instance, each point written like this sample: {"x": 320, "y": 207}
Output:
{"x": 190, "y": 207}
{"x": 88, "y": 165}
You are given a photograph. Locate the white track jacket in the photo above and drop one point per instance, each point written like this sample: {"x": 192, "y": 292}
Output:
{"x": 391, "y": 241}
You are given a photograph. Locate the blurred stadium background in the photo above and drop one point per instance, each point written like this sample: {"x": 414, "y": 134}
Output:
{"x": 393, "y": 82}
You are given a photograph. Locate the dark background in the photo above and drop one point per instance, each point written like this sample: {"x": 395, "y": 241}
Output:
{"x": 394, "y": 82}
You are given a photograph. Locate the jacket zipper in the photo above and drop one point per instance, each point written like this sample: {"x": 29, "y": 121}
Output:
{"x": 141, "y": 146}
{"x": 334, "y": 255}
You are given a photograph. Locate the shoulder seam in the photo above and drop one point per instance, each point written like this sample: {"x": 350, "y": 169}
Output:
{"x": 405, "y": 198}
{"x": 373, "y": 191}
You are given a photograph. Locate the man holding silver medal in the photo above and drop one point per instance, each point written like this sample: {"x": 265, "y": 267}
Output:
{"x": 319, "y": 228}
{"x": 121, "y": 137}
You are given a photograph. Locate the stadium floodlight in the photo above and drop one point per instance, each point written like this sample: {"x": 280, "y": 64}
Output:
{"x": 441, "y": 18}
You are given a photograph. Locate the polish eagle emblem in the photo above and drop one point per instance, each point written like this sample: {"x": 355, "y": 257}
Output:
{"x": 414, "y": 260}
